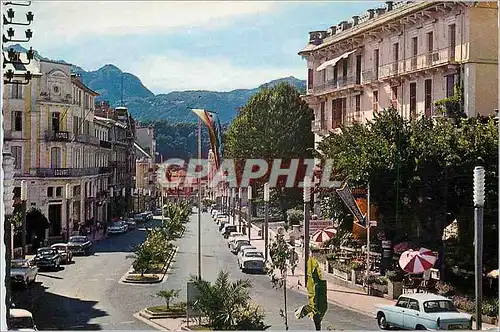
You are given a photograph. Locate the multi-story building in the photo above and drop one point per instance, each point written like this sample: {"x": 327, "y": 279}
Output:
{"x": 408, "y": 55}
{"x": 49, "y": 129}
{"x": 146, "y": 159}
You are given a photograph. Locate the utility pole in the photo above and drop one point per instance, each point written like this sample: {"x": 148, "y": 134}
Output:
{"x": 307, "y": 199}
{"x": 240, "y": 192}
{"x": 266, "y": 220}
{"x": 368, "y": 231}
{"x": 199, "y": 203}
{"x": 478, "y": 243}
{"x": 249, "y": 212}
{"x": 24, "y": 198}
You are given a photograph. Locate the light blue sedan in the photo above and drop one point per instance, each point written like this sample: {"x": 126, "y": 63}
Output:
{"x": 422, "y": 312}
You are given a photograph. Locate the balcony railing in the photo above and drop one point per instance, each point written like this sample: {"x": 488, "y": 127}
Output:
{"x": 105, "y": 144}
{"x": 392, "y": 69}
{"x": 335, "y": 84}
{"x": 318, "y": 125}
{"x": 105, "y": 170}
{"x": 369, "y": 75}
{"x": 57, "y": 136}
{"x": 64, "y": 172}
{"x": 85, "y": 138}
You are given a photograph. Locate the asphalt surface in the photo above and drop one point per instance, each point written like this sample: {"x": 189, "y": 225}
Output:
{"x": 86, "y": 295}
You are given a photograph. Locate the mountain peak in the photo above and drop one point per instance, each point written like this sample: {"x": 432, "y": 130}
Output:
{"x": 110, "y": 67}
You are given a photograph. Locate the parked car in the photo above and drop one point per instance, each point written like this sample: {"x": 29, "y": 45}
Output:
{"x": 47, "y": 257}
{"x": 64, "y": 252}
{"x": 422, "y": 312}
{"x": 23, "y": 272}
{"x": 140, "y": 218}
{"x": 130, "y": 223}
{"x": 242, "y": 251}
{"x": 149, "y": 215}
{"x": 233, "y": 236}
{"x": 117, "y": 227}
{"x": 252, "y": 260}
{"x": 237, "y": 243}
{"x": 214, "y": 213}
{"x": 157, "y": 212}
{"x": 80, "y": 245}
{"x": 222, "y": 219}
{"x": 21, "y": 320}
{"x": 228, "y": 229}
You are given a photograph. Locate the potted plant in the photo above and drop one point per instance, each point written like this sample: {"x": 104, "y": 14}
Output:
{"x": 380, "y": 285}
{"x": 368, "y": 282}
{"x": 330, "y": 259}
{"x": 490, "y": 312}
{"x": 356, "y": 270}
{"x": 445, "y": 289}
{"x": 395, "y": 283}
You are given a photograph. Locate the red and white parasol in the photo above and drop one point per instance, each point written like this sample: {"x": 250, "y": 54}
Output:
{"x": 323, "y": 235}
{"x": 417, "y": 261}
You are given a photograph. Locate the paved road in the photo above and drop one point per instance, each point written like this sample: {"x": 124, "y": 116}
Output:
{"x": 87, "y": 296}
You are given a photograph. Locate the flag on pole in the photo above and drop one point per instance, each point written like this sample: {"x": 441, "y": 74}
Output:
{"x": 211, "y": 120}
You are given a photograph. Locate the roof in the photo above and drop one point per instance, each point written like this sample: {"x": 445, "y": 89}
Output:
{"x": 77, "y": 82}
{"x": 19, "y": 313}
{"x": 140, "y": 149}
{"x": 103, "y": 121}
{"x": 425, "y": 297}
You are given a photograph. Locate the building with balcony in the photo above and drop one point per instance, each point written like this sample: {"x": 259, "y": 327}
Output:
{"x": 408, "y": 55}
{"x": 147, "y": 158}
{"x": 49, "y": 128}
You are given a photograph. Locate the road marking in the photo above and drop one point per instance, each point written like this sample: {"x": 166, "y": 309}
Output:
{"x": 128, "y": 322}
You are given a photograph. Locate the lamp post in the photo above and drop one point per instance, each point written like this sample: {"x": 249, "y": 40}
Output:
{"x": 228, "y": 198}
{"x": 24, "y": 198}
{"x": 111, "y": 193}
{"x": 478, "y": 232}
{"x": 233, "y": 204}
{"x": 124, "y": 200}
{"x": 266, "y": 219}
{"x": 240, "y": 193}
{"x": 67, "y": 197}
{"x": 307, "y": 199}
{"x": 368, "y": 225}
{"x": 7, "y": 245}
{"x": 249, "y": 212}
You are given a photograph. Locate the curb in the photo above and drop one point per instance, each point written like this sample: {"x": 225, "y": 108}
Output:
{"x": 149, "y": 322}
{"x": 168, "y": 266}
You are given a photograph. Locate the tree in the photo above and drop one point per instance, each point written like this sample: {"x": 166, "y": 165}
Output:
{"x": 168, "y": 295}
{"x": 282, "y": 258}
{"x": 144, "y": 257}
{"x": 275, "y": 124}
{"x": 223, "y": 301}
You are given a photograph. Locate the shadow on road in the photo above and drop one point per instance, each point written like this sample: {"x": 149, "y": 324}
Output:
{"x": 56, "y": 312}
{"x": 50, "y": 276}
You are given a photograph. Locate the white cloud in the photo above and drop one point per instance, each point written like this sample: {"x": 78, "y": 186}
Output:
{"x": 64, "y": 22}
{"x": 162, "y": 74}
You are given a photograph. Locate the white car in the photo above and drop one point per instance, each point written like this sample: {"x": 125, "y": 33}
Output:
{"x": 214, "y": 213}
{"x": 242, "y": 251}
{"x": 252, "y": 260}
{"x": 233, "y": 236}
{"x": 422, "y": 312}
{"x": 238, "y": 243}
{"x": 222, "y": 218}
{"x": 118, "y": 227}
{"x": 21, "y": 320}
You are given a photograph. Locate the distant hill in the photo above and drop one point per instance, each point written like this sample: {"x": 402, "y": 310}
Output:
{"x": 146, "y": 106}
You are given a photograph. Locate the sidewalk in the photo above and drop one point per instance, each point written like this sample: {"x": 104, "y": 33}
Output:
{"x": 341, "y": 296}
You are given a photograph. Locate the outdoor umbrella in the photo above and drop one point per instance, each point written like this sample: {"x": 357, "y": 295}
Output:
{"x": 323, "y": 235}
{"x": 417, "y": 261}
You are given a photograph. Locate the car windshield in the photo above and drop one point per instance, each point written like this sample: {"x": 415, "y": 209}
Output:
{"x": 439, "y": 306}
{"x": 46, "y": 251}
{"x": 21, "y": 323}
{"x": 254, "y": 254}
{"x": 78, "y": 239}
{"x": 59, "y": 248}
{"x": 22, "y": 264}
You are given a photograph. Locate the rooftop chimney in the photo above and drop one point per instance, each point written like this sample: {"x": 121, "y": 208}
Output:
{"x": 332, "y": 30}
{"x": 343, "y": 25}
{"x": 355, "y": 20}
{"x": 389, "y": 5}
{"x": 380, "y": 11}
{"x": 371, "y": 13}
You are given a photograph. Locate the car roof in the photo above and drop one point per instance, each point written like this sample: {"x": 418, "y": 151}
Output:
{"x": 45, "y": 248}
{"x": 59, "y": 244}
{"x": 426, "y": 297}
{"x": 19, "y": 313}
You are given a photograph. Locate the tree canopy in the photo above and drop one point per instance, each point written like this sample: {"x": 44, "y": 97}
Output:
{"x": 420, "y": 174}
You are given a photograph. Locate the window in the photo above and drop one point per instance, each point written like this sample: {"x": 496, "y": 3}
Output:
{"x": 414, "y": 52}
{"x": 394, "y": 96}
{"x": 345, "y": 64}
{"x": 50, "y": 191}
{"x": 395, "y": 58}
{"x": 428, "y": 97}
{"x": 336, "y": 112}
{"x": 16, "y": 91}
{"x": 413, "y": 100}
{"x": 17, "y": 121}
{"x": 430, "y": 48}
{"x": 452, "y": 39}
{"x": 59, "y": 191}
{"x": 310, "y": 77}
{"x": 55, "y": 121}
{"x": 439, "y": 306}
{"x": 358, "y": 103}
{"x": 375, "y": 102}
{"x": 402, "y": 302}
{"x": 413, "y": 305}
{"x": 358, "y": 69}
{"x": 450, "y": 85}
{"x": 322, "y": 115}
{"x": 76, "y": 125}
{"x": 55, "y": 157}
{"x": 17, "y": 153}
{"x": 376, "y": 62}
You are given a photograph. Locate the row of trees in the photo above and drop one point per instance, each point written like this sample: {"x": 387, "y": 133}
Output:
{"x": 158, "y": 246}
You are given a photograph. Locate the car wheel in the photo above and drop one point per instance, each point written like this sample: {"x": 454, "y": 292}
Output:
{"x": 420, "y": 327}
{"x": 25, "y": 283}
{"x": 382, "y": 322}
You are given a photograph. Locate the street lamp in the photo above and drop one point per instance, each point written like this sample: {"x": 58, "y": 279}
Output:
{"x": 307, "y": 199}
{"x": 233, "y": 203}
{"x": 111, "y": 193}
{"x": 24, "y": 198}
{"x": 240, "y": 193}
{"x": 249, "y": 212}
{"x": 266, "y": 219}
{"x": 478, "y": 230}
{"x": 67, "y": 198}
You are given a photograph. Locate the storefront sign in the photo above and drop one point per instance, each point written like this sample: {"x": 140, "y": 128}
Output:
{"x": 348, "y": 199}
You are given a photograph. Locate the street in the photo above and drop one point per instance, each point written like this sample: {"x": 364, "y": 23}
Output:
{"x": 86, "y": 295}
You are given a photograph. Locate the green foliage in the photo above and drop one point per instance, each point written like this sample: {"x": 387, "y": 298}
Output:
{"x": 452, "y": 107}
{"x": 168, "y": 295}
{"x": 251, "y": 319}
{"x": 342, "y": 267}
{"x": 275, "y": 124}
{"x": 144, "y": 256}
{"x": 16, "y": 220}
{"x": 295, "y": 216}
{"x": 421, "y": 175}
{"x": 223, "y": 301}
{"x": 395, "y": 276}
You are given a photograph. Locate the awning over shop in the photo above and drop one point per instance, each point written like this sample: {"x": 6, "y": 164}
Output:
{"x": 335, "y": 60}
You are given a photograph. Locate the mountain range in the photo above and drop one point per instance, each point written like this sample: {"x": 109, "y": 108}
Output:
{"x": 144, "y": 105}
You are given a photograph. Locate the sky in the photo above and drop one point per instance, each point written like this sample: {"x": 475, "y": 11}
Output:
{"x": 185, "y": 45}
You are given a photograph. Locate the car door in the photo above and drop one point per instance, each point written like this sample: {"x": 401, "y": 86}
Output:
{"x": 395, "y": 317}
{"x": 411, "y": 315}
